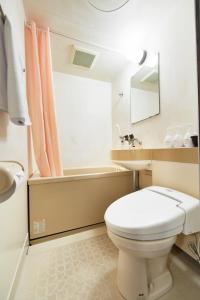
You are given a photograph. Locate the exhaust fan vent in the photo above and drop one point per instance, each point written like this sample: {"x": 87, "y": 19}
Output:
{"x": 83, "y": 57}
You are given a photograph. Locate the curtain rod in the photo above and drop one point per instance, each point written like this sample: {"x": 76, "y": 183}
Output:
{"x": 85, "y": 42}
{"x": 79, "y": 40}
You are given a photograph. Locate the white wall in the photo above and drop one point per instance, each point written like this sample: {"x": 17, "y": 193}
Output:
{"x": 83, "y": 108}
{"x": 13, "y": 213}
{"x": 174, "y": 37}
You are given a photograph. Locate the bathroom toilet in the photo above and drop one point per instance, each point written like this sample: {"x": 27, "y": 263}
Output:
{"x": 144, "y": 225}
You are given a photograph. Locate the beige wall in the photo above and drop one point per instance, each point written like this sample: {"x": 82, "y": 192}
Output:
{"x": 183, "y": 177}
{"x": 13, "y": 213}
{"x": 174, "y": 37}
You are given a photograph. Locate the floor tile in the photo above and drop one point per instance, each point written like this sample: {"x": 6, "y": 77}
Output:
{"x": 85, "y": 268}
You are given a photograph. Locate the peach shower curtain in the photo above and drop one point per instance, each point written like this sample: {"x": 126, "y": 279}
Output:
{"x": 41, "y": 101}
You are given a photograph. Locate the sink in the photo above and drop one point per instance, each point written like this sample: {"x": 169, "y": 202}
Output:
{"x": 6, "y": 180}
{"x": 135, "y": 165}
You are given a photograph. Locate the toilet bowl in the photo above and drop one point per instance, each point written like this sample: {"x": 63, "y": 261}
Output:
{"x": 144, "y": 226}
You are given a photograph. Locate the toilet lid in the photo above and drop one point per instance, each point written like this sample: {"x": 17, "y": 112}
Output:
{"x": 145, "y": 215}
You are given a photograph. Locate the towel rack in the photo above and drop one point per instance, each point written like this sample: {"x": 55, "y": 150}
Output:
{"x": 3, "y": 17}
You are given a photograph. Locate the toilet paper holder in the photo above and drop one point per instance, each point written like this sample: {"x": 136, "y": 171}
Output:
{"x": 11, "y": 177}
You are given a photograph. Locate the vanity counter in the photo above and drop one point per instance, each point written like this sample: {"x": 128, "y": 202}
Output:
{"x": 181, "y": 155}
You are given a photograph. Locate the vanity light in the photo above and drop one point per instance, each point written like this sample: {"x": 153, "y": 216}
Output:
{"x": 144, "y": 56}
{"x": 135, "y": 56}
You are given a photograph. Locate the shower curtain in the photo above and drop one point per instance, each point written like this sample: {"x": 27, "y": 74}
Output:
{"x": 41, "y": 101}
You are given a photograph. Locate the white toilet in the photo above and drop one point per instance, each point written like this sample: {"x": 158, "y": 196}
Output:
{"x": 143, "y": 225}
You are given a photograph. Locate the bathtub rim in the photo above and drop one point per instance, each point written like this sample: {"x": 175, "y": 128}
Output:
{"x": 37, "y": 179}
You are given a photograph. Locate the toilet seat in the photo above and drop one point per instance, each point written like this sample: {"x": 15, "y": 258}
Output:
{"x": 145, "y": 215}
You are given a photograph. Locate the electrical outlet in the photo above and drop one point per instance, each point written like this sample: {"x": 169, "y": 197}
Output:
{"x": 39, "y": 226}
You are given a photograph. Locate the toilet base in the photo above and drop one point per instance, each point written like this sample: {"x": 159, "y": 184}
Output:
{"x": 160, "y": 286}
{"x": 142, "y": 267}
{"x": 134, "y": 281}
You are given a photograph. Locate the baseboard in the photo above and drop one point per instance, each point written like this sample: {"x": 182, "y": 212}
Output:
{"x": 64, "y": 234}
{"x": 18, "y": 269}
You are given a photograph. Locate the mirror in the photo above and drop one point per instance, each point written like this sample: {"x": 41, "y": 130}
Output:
{"x": 145, "y": 93}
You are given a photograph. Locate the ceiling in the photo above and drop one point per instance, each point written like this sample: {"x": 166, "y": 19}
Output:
{"x": 107, "y": 65}
{"x": 122, "y": 31}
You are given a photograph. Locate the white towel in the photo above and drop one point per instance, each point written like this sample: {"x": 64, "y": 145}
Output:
{"x": 16, "y": 91}
{"x": 3, "y": 71}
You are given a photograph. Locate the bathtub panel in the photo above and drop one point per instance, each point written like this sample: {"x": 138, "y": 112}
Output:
{"x": 67, "y": 205}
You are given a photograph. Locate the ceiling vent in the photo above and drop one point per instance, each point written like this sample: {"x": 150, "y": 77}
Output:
{"x": 83, "y": 57}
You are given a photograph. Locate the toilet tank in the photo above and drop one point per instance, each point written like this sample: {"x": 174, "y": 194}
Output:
{"x": 189, "y": 204}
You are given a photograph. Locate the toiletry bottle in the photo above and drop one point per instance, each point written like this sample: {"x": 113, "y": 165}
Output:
{"x": 178, "y": 139}
{"x": 168, "y": 138}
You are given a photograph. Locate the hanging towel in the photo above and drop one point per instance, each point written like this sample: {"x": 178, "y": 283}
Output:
{"x": 3, "y": 71}
{"x": 16, "y": 95}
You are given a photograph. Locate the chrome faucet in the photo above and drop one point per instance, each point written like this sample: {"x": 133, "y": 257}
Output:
{"x": 133, "y": 139}
{"x": 130, "y": 139}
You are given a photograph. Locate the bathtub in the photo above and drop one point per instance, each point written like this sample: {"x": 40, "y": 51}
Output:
{"x": 75, "y": 200}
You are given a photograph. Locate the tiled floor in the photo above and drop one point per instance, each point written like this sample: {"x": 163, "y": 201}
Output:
{"x": 83, "y": 267}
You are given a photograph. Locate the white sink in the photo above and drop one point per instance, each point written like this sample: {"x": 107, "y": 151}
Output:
{"x": 135, "y": 165}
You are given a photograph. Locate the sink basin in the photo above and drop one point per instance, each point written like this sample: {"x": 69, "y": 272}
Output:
{"x": 6, "y": 180}
{"x": 135, "y": 165}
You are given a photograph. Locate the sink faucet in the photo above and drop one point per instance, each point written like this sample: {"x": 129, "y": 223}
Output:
{"x": 130, "y": 139}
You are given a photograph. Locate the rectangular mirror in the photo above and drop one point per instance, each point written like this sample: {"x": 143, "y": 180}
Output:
{"x": 145, "y": 93}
